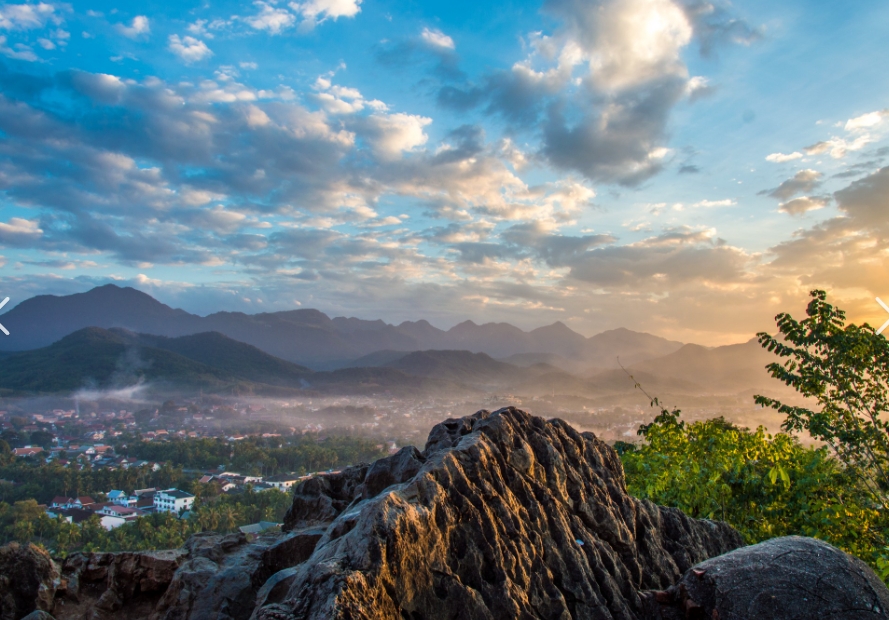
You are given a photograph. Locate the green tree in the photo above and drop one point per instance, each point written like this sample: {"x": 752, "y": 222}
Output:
{"x": 845, "y": 370}
{"x": 763, "y": 485}
{"x": 42, "y": 439}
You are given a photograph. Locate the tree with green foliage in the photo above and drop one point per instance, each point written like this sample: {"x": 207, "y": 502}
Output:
{"x": 845, "y": 370}
{"x": 767, "y": 486}
{"x": 763, "y": 485}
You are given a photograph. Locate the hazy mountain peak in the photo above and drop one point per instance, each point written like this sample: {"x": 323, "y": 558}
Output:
{"x": 309, "y": 336}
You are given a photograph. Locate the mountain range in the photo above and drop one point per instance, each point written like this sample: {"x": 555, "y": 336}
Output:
{"x": 312, "y": 338}
{"x": 112, "y": 336}
{"x": 93, "y": 357}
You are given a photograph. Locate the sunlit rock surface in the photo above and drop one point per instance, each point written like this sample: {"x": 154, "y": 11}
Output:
{"x": 502, "y": 515}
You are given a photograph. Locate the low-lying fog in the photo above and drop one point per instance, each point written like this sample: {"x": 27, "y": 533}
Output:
{"x": 401, "y": 420}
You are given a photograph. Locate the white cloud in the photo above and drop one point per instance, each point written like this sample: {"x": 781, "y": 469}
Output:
{"x": 271, "y": 18}
{"x": 728, "y": 202}
{"x": 27, "y": 16}
{"x": 839, "y": 147}
{"x": 634, "y": 41}
{"x": 138, "y": 27}
{"x": 601, "y": 88}
{"x": 188, "y": 48}
{"x": 803, "y": 181}
{"x": 319, "y": 10}
{"x": 804, "y": 204}
{"x": 866, "y": 121}
{"x": 19, "y": 52}
{"x": 19, "y": 230}
{"x": 392, "y": 134}
{"x": 436, "y": 38}
{"x": 780, "y": 158}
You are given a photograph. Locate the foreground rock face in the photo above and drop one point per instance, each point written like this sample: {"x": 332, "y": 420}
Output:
{"x": 502, "y": 515}
{"x": 28, "y": 579}
{"x": 790, "y": 578}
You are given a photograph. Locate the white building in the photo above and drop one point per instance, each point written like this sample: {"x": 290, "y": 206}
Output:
{"x": 121, "y": 498}
{"x": 173, "y": 500}
{"x": 282, "y": 482}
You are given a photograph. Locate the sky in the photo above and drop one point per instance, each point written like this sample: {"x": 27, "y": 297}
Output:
{"x": 679, "y": 167}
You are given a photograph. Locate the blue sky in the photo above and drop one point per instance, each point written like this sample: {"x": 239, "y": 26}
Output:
{"x": 679, "y": 167}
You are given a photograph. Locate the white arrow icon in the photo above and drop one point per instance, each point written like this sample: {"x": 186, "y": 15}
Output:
{"x": 3, "y": 303}
{"x": 879, "y": 301}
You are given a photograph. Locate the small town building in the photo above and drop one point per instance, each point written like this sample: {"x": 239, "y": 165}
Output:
{"x": 27, "y": 451}
{"x": 173, "y": 500}
{"x": 282, "y": 482}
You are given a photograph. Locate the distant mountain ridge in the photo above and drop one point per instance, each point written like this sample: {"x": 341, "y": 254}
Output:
{"x": 96, "y": 358}
{"x": 117, "y": 358}
{"x": 310, "y": 337}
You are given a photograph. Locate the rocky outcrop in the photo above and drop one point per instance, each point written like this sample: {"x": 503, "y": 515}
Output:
{"x": 790, "y": 578}
{"x": 28, "y": 580}
{"x": 100, "y": 586}
{"x": 502, "y": 515}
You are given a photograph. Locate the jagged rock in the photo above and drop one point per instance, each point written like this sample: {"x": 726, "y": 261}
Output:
{"x": 98, "y": 586}
{"x": 294, "y": 548}
{"x": 214, "y": 582}
{"x": 789, "y": 578}
{"x": 213, "y": 576}
{"x": 502, "y": 515}
{"x": 28, "y": 580}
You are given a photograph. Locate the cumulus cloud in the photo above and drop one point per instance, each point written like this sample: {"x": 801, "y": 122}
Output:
{"x": 627, "y": 43}
{"x": 276, "y": 18}
{"x": 867, "y": 121}
{"x": 848, "y": 251}
{"x": 860, "y": 131}
{"x": 837, "y": 148}
{"x": 725, "y": 202}
{"x": 714, "y": 26}
{"x": 328, "y": 8}
{"x": 271, "y": 18}
{"x": 19, "y": 231}
{"x": 803, "y": 204}
{"x": 780, "y": 158}
{"x": 315, "y": 12}
{"x": 390, "y": 135}
{"x": 137, "y": 28}
{"x": 28, "y": 16}
{"x": 802, "y": 182}
{"x": 19, "y": 51}
{"x": 188, "y": 48}
{"x": 674, "y": 257}
{"x": 601, "y": 88}
{"x": 437, "y": 39}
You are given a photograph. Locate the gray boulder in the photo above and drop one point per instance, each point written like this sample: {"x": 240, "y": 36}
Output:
{"x": 790, "y": 578}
